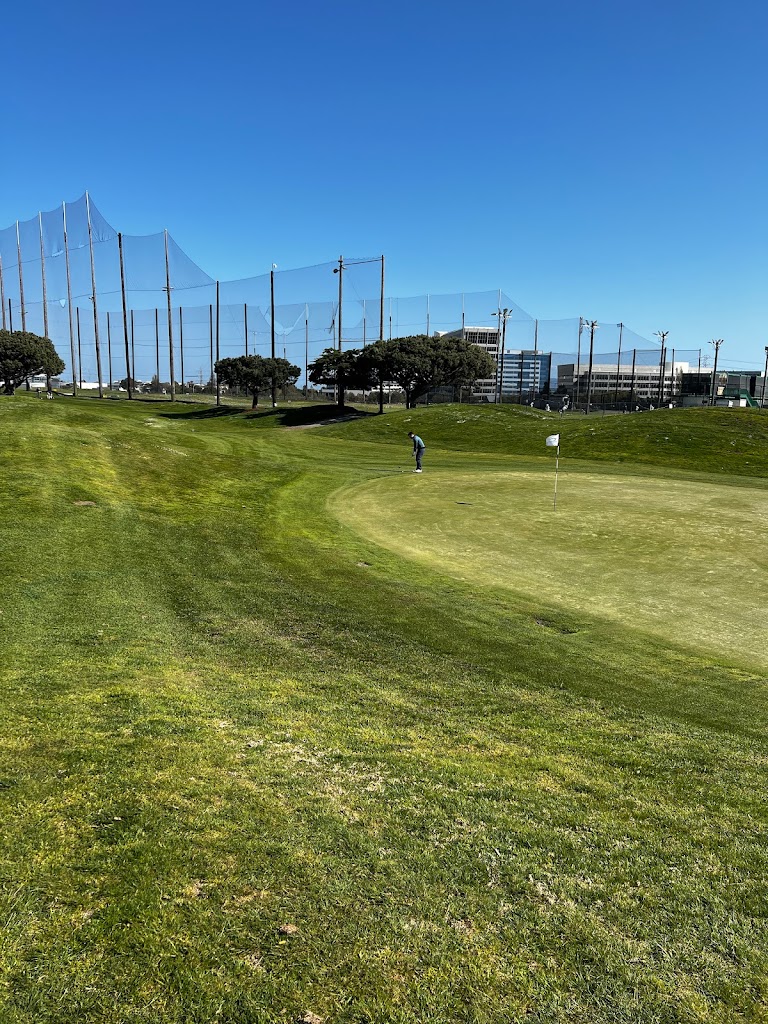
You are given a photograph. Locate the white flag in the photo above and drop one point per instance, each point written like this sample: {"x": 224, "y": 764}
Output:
{"x": 553, "y": 441}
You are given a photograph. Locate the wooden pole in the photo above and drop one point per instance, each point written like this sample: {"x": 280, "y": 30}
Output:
{"x": 245, "y": 326}
{"x": 578, "y": 362}
{"x": 218, "y": 340}
{"x": 42, "y": 274}
{"x": 93, "y": 297}
{"x": 381, "y": 323}
{"x": 128, "y": 367}
{"x": 341, "y": 276}
{"x": 133, "y": 347}
{"x": 10, "y": 316}
{"x": 592, "y": 326}
{"x": 170, "y": 321}
{"x": 69, "y": 302}
{"x": 306, "y": 349}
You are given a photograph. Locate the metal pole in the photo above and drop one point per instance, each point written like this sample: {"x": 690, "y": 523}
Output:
{"x": 128, "y": 367}
{"x": 170, "y": 320}
{"x": 10, "y": 316}
{"x": 272, "y": 329}
{"x": 21, "y": 280}
{"x": 381, "y": 323}
{"x": 632, "y": 383}
{"x": 157, "y": 348}
{"x": 2, "y": 292}
{"x": 181, "y": 345}
{"x": 218, "y": 343}
{"x": 592, "y": 326}
{"x": 93, "y": 297}
{"x": 245, "y": 326}
{"x": 364, "y": 339}
{"x": 133, "y": 347}
{"x": 109, "y": 352}
{"x": 672, "y": 378}
{"x": 69, "y": 301}
{"x": 42, "y": 274}
{"x": 662, "y": 336}
{"x": 535, "y": 354}
{"x": 341, "y": 276}
{"x": 79, "y": 347}
{"x": 698, "y": 375}
{"x": 717, "y": 345}
{"x": 522, "y": 360}
{"x": 557, "y": 467}
{"x": 618, "y": 366}
{"x": 306, "y": 348}
{"x": 765, "y": 374}
{"x": 210, "y": 333}
{"x": 578, "y": 361}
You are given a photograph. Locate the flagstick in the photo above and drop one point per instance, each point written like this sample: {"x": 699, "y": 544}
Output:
{"x": 557, "y": 464}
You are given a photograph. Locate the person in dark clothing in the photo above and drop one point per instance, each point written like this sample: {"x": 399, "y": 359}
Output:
{"x": 418, "y": 450}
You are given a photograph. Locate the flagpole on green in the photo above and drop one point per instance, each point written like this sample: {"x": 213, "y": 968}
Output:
{"x": 553, "y": 441}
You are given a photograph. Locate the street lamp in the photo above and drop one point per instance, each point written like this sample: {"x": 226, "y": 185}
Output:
{"x": 503, "y": 315}
{"x": 662, "y": 336}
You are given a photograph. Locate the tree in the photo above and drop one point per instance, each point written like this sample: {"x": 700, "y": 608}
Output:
{"x": 256, "y": 375}
{"x": 125, "y": 382}
{"x": 23, "y": 355}
{"x": 335, "y": 368}
{"x": 372, "y": 368}
{"x": 421, "y": 363}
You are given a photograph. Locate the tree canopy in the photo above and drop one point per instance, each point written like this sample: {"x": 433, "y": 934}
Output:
{"x": 23, "y": 355}
{"x": 335, "y": 368}
{"x": 255, "y": 374}
{"x": 420, "y": 363}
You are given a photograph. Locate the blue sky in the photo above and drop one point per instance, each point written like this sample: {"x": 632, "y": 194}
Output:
{"x": 604, "y": 159}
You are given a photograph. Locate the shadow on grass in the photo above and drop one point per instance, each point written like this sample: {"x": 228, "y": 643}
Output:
{"x": 283, "y": 416}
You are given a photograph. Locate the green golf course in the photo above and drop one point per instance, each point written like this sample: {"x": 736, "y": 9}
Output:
{"x": 290, "y": 733}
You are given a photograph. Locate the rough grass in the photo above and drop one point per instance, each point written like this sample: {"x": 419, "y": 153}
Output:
{"x": 225, "y": 712}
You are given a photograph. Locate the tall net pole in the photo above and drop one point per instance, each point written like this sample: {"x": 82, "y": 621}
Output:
{"x": 69, "y": 301}
{"x": 128, "y": 368}
{"x": 218, "y": 343}
{"x": 272, "y": 328}
{"x": 10, "y": 316}
{"x": 133, "y": 346}
{"x": 21, "y": 280}
{"x": 535, "y": 354}
{"x": 93, "y": 297}
{"x": 341, "y": 278}
{"x": 618, "y": 366}
{"x": 157, "y": 349}
{"x": 42, "y": 274}
{"x": 170, "y": 321}
{"x": 306, "y": 348}
{"x": 765, "y": 375}
{"x": 632, "y": 382}
{"x": 109, "y": 352}
{"x": 245, "y": 327}
{"x": 578, "y": 361}
{"x": 210, "y": 339}
{"x": 2, "y": 292}
{"x": 181, "y": 345}
{"x": 592, "y": 326}
{"x": 381, "y": 300}
{"x": 79, "y": 348}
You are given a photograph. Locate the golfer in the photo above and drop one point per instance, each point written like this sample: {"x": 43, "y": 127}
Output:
{"x": 418, "y": 449}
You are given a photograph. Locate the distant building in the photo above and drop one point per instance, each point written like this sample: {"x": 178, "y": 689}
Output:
{"x": 525, "y": 371}
{"x": 606, "y": 377}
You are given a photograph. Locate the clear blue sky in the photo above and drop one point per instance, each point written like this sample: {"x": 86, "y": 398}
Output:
{"x": 605, "y": 159}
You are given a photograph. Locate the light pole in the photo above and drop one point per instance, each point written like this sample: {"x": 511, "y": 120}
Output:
{"x": 593, "y": 325}
{"x": 503, "y": 315}
{"x": 716, "y": 343}
{"x": 662, "y": 336}
{"x": 765, "y": 374}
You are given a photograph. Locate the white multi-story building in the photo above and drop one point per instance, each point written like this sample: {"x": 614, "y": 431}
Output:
{"x": 606, "y": 377}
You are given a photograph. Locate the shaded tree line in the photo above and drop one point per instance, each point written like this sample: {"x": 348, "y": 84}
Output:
{"x": 416, "y": 364}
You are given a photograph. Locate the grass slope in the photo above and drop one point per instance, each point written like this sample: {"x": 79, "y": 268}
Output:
{"x": 226, "y": 712}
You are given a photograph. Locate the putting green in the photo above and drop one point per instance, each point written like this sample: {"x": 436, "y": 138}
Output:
{"x": 681, "y": 559}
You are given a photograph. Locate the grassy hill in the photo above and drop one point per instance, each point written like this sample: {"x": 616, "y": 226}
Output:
{"x": 256, "y": 765}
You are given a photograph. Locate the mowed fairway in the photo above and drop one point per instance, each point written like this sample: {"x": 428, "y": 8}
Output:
{"x": 683, "y": 559}
{"x": 290, "y": 735}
